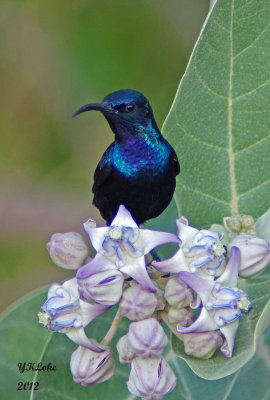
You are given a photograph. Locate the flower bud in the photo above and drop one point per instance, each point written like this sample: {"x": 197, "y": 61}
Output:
{"x": 137, "y": 303}
{"x": 104, "y": 287}
{"x": 181, "y": 316}
{"x": 147, "y": 338}
{"x": 177, "y": 293}
{"x": 202, "y": 345}
{"x": 255, "y": 254}
{"x": 67, "y": 250}
{"x": 240, "y": 224}
{"x": 151, "y": 378}
{"x": 126, "y": 355}
{"x": 88, "y": 367}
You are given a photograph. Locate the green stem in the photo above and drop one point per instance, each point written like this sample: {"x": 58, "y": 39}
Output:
{"x": 113, "y": 328}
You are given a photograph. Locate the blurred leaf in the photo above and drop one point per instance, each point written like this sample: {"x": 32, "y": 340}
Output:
{"x": 250, "y": 329}
{"x": 219, "y": 121}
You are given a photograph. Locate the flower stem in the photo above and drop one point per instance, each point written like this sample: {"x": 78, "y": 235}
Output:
{"x": 113, "y": 328}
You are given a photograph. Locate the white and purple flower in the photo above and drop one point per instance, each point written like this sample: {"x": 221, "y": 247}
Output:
{"x": 222, "y": 303}
{"x": 65, "y": 312}
{"x": 201, "y": 252}
{"x": 125, "y": 246}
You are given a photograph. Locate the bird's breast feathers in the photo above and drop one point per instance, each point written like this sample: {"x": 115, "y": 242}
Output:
{"x": 142, "y": 162}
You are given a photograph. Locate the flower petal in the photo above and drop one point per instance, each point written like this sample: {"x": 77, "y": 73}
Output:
{"x": 153, "y": 239}
{"x": 90, "y": 311}
{"x": 97, "y": 264}
{"x": 174, "y": 264}
{"x": 185, "y": 232}
{"x": 124, "y": 218}
{"x": 204, "y": 323}
{"x": 96, "y": 235}
{"x": 229, "y": 332}
{"x": 230, "y": 275}
{"x": 201, "y": 286}
{"x": 137, "y": 270}
{"x": 78, "y": 336}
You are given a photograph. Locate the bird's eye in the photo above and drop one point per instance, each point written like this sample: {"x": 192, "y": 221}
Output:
{"x": 130, "y": 107}
{"x": 125, "y": 108}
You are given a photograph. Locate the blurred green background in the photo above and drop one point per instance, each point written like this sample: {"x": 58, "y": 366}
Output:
{"x": 55, "y": 57}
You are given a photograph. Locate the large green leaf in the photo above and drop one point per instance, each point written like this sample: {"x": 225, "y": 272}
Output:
{"x": 219, "y": 125}
{"x": 219, "y": 121}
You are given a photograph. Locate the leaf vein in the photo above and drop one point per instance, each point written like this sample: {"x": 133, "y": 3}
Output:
{"x": 234, "y": 204}
{"x": 50, "y": 335}
{"x": 254, "y": 188}
{"x": 251, "y": 91}
{"x": 220, "y": 26}
{"x": 228, "y": 391}
{"x": 203, "y": 83}
{"x": 253, "y": 42}
{"x": 203, "y": 194}
{"x": 252, "y": 145}
{"x": 212, "y": 146}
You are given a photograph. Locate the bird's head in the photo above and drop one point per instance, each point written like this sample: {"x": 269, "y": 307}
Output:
{"x": 125, "y": 110}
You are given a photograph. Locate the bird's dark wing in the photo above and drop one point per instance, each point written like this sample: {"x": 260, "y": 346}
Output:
{"x": 104, "y": 169}
{"x": 176, "y": 164}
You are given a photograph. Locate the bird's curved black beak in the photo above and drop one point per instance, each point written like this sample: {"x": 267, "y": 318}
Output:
{"x": 89, "y": 107}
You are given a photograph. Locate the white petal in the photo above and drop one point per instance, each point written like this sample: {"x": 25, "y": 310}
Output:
{"x": 97, "y": 264}
{"x": 174, "y": 264}
{"x": 137, "y": 270}
{"x": 229, "y": 332}
{"x": 230, "y": 275}
{"x": 78, "y": 336}
{"x": 185, "y": 232}
{"x": 201, "y": 286}
{"x": 90, "y": 311}
{"x": 153, "y": 239}
{"x": 96, "y": 235}
{"x": 203, "y": 323}
{"x": 71, "y": 286}
{"x": 124, "y": 218}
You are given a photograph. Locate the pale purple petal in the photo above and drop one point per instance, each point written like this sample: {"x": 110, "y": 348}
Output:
{"x": 90, "y": 311}
{"x": 185, "y": 232}
{"x": 229, "y": 332}
{"x": 78, "y": 336}
{"x": 152, "y": 239}
{"x": 97, "y": 264}
{"x": 230, "y": 275}
{"x": 201, "y": 286}
{"x": 137, "y": 270}
{"x": 96, "y": 235}
{"x": 71, "y": 286}
{"x": 124, "y": 218}
{"x": 226, "y": 316}
{"x": 172, "y": 265}
{"x": 203, "y": 323}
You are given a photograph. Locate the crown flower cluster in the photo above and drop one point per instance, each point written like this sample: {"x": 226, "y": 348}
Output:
{"x": 195, "y": 292}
